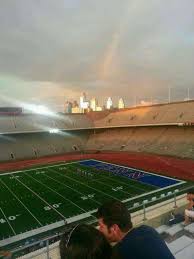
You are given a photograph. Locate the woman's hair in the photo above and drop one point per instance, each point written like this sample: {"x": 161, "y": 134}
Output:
{"x": 85, "y": 242}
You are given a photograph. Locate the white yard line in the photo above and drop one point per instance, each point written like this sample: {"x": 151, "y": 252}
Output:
{"x": 180, "y": 182}
{"x": 21, "y": 202}
{"x": 105, "y": 184}
{"x": 127, "y": 184}
{"x": 71, "y": 188}
{"x": 117, "y": 181}
{"x": 41, "y": 199}
{"x": 7, "y": 221}
{"x": 140, "y": 170}
{"x": 112, "y": 197}
{"x": 56, "y": 192}
{"x": 92, "y": 159}
{"x": 43, "y": 167}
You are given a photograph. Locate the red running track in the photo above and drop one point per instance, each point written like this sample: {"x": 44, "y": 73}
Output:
{"x": 180, "y": 168}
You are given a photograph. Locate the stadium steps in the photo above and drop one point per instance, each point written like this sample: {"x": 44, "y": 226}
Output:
{"x": 190, "y": 228}
{"x": 180, "y": 244}
{"x": 174, "y": 229}
{"x": 186, "y": 253}
{"x": 179, "y": 239}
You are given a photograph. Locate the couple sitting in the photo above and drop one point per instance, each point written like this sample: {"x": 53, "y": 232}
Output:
{"x": 115, "y": 226}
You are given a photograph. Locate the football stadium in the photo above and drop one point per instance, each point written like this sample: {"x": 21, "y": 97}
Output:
{"x": 57, "y": 170}
{"x": 96, "y": 129}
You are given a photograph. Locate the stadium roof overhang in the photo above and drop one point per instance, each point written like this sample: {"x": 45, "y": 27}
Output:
{"x": 57, "y": 131}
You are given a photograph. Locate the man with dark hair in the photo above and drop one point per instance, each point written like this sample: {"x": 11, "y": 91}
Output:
{"x": 189, "y": 211}
{"x": 132, "y": 243}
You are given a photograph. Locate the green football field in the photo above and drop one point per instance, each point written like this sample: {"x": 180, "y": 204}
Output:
{"x": 33, "y": 199}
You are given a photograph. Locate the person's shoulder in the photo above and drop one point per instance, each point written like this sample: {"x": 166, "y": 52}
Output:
{"x": 145, "y": 228}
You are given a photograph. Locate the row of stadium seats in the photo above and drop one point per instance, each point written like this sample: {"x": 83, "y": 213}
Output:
{"x": 33, "y": 122}
{"x": 176, "y": 141}
{"x": 156, "y": 114}
{"x": 23, "y": 146}
{"x": 167, "y": 140}
{"x": 182, "y": 112}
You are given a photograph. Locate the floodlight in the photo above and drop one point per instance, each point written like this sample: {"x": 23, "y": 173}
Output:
{"x": 54, "y": 131}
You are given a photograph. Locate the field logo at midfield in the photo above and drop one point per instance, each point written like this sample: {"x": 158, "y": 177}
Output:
{"x": 141, "y": 176}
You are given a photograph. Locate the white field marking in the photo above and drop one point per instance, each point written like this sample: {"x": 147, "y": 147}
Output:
{"x": 117, "y": 181}
{"x": 88, "y": 186}
{"x": 180, "y": 182}
{"x": 152, "y": 192}
{"x": 108, "y": 170}
{"x": 158, "y": 175}
{"x": 129, "y": 185}
{"x": 41, "y": 199}
{"x": 132, "y": 180}
{"x": 8, "y": 221}
{"x": 92, "y": 159}
{"x": 56, "y": 192}
{"x": 105, "y": 184}
{"x": 44, "y": 167}
{"x": 21, "y": 202}
{"x": 70, "y": 188}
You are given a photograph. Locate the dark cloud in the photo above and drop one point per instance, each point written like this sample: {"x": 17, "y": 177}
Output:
{"x": 126, "y": 48}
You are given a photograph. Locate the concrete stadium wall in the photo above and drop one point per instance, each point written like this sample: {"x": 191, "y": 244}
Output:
{"x": 34, "y": 145}
{"x": 173, "y": 141}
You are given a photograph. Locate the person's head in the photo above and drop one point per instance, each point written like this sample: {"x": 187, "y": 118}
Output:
{"x": 114, "y": 220}
{"x": 85, "y": 242}
{"x": 190, "y": 195}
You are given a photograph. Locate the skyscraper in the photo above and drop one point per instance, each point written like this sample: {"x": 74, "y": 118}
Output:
{"x": 121, "y": 104}
{"x": 109, "y": 103}
{"x": 84, "y": 105}
{"x": 68, "y": 107}
{"x": 93, "y": 104}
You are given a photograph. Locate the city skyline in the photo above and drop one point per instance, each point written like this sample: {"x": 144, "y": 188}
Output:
{"x": 85, "y": 104}
{"x": 51, "y": 52}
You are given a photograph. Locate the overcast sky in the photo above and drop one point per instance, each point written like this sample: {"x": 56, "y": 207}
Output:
{"x": 51, "y": 51}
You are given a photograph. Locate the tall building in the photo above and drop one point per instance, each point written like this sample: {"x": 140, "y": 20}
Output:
{"x": 121, "y": 104}
{"x": 93, "y": 104}
{"x": 68, "y": 107}
{"x": 109, "y": 103}
{"x": 75, "y": 107}
{"x": 82, "y": 100}
{"x": 75, "y": 104}
{"x": 98, "y": 109}
{"x": 84, "y": 105}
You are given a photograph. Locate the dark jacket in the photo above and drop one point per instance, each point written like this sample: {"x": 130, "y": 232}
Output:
{"x": 143, "y": 243}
